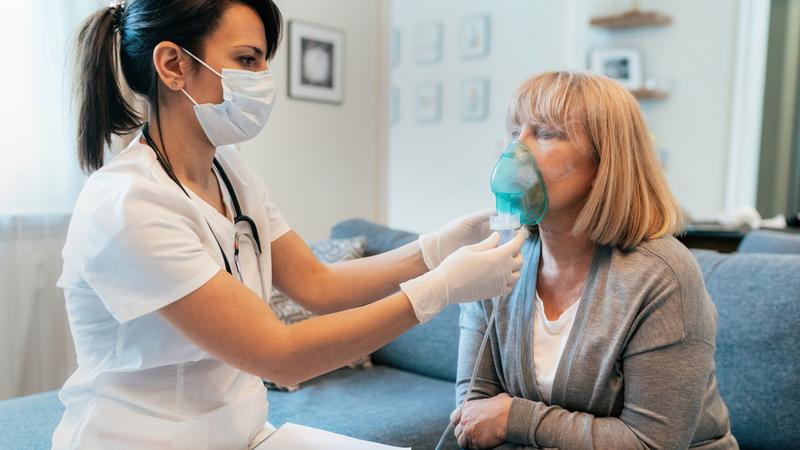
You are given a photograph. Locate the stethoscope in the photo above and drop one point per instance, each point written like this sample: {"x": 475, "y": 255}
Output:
{"x": 253, "y": 237}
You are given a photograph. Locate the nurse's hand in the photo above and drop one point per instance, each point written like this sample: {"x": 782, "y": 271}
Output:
{"x": 474, "y": 272}
{"x": 465, "y": 230}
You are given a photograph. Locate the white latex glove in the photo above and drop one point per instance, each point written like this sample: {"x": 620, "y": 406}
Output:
{"x": 466, "y": 230}
{"x": 474, "y": 272}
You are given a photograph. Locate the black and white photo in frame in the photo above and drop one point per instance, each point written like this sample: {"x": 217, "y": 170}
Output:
{"x": 316, "y": 62}
{"x": 619, "y": 63}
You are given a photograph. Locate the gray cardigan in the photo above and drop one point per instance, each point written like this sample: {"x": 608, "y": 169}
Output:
{"x": 637, "y": 371}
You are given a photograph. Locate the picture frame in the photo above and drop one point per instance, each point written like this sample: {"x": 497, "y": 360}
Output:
{"x": 428, "y": 40}
{"x": 316, "y": 62}
{"x": 474, "y": 99}
{"x": 475, "y": 36}
{"x": 622, "y": 64}
{"x": 394, "y": 48}
{"x": 428, "y": 102}
{"x": 394, "y": 105}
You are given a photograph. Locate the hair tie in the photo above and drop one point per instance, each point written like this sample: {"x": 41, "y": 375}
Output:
{"x": 116, "y": 8}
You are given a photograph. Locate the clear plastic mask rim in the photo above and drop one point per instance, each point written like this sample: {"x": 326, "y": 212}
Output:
{"x": 512, "y": 147}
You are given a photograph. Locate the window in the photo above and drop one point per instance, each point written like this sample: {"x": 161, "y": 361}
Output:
{"x": 39, "y": 171}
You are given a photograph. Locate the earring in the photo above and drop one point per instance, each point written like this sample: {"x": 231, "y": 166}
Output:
{"x": 175, "y": 84}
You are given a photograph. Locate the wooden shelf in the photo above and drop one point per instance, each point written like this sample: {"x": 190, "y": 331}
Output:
{"x": 649, "y": 94}
{"x": 632, "y": 19}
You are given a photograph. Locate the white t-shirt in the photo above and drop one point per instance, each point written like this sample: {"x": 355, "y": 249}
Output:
{"x": 137, "y": 243}
{"x": 549, "y": 339}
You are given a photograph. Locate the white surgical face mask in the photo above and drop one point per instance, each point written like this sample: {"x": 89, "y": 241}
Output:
{"x": 247, "y": 99}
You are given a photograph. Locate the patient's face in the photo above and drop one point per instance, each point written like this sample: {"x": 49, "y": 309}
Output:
{"x": 567, "y": 168}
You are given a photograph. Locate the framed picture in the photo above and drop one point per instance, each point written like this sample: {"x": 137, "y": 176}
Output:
{"x": 428, "y": 38}
{"x": 394, "y": 105}
{"x": 394, "y": 48}
{"x": 316, "y": 63}
{"x": 475, "y": 32}
{"x": 474, "y": 99}
{"x": 429, "y": 102}
{"x": 621, "y": 64}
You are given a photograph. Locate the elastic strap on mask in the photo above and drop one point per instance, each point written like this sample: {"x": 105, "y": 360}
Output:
{"x": 190, "y": 97}
{"x": 202, "y": 62}
{"x": 207, "y": 67}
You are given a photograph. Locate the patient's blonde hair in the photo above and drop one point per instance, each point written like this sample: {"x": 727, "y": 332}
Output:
{"x": 630, "y": 200}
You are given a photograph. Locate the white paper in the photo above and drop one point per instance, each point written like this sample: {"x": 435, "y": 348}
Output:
{"x": 291, "y": 436}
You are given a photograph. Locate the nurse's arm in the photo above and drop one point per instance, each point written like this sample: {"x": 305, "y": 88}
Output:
{"x": 231, "y": 323}
{"x": 325, "y": 288}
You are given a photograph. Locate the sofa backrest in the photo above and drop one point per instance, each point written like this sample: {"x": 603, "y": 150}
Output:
{"x": 768, "y": 241}
{"x": 757, "y": 297}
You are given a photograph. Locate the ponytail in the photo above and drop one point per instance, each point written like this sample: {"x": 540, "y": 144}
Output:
{"x": 102, "y": 108}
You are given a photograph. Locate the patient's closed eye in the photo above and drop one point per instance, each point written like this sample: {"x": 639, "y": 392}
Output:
{"x": 546, "y": 133}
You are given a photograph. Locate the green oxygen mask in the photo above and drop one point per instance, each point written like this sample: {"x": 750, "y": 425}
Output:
{"x": 519, "y": 189}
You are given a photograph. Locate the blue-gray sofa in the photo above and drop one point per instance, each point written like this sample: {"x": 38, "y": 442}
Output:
{"x": 406, "y": 398}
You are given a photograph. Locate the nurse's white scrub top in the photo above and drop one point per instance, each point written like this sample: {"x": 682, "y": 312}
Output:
{"x": 136, "y": 243}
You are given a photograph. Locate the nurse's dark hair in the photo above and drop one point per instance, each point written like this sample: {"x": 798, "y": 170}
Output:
{"x": 114, "y": 53}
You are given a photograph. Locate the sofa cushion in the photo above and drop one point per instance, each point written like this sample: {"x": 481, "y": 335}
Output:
{"x": 766, "y": 241}
{"x": 430, "y": 349}
{"x": 383, "y": 404}
{"x": 29, "y": 422}
{"x": 757, "y": 297}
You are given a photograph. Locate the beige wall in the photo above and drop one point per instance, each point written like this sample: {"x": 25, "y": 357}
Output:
{"x": 323, "y": 163}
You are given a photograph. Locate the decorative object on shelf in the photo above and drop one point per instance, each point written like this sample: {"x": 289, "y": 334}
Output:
{"x": 475, "y": 36}
{"x": 316, "y": 62}
{"x": 394, "y": 48}
{"x": 649, "y": 94}
{"x": 632, "y": 18}
{"x": 429, "y": 102}
{"x": 474, "y": 99}
{"x": 394, "y": 105}
{"x": 619, "y": 63}
{"x": 428, "y": 38}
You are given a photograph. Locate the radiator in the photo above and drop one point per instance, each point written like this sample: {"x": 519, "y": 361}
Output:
{"x": 36, "y": 349}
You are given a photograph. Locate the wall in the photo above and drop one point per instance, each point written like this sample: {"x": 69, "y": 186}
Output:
{"x": 695, "y": 58}
{"x": 322, "y": 162}
{"x": 437, "y": 172}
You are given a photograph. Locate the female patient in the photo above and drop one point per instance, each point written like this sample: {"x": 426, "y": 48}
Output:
{"x": 608, "y": 339}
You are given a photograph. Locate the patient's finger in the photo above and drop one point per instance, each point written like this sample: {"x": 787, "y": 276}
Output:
{"x": 463, "y": 442}
{"x": 455, "y": 416}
